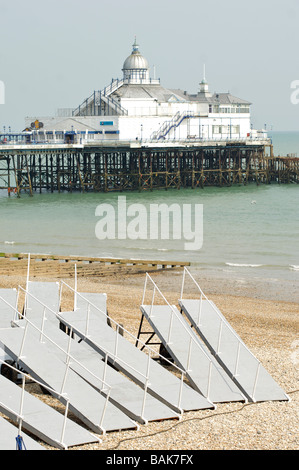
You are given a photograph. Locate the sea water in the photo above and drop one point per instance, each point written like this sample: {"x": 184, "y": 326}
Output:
{"x": 248, "y": 230}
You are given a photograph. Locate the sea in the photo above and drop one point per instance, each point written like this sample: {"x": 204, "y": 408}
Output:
{"x": 244, "y": 233}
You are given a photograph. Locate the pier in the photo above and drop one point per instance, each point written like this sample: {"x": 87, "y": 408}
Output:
{"x": 124, "y": 166}
{"x": 135, "y": 135}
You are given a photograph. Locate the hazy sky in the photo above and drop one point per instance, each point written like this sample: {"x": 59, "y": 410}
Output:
{"x": 56, "y": 53}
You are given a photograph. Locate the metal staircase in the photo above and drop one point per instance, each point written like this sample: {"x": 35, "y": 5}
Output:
{"x": 168, "y": 125}
{"x": 101, "y": 103}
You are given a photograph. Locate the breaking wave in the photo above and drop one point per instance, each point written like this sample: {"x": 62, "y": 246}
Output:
{"x": 294, "y": 267}
{"x": 244, "y": 265}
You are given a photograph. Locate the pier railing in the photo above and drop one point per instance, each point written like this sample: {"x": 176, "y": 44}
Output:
{"x": 46, "y": 138}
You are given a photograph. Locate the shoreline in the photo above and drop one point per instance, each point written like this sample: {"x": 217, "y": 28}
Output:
{"x": 240, "y": 284}
{"x": 242, "y": 280}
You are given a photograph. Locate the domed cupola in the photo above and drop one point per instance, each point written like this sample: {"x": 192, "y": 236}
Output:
{"x": 135, "y": 68}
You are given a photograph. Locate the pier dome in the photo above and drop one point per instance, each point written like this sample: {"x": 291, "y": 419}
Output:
{"x": 136, "y": 68}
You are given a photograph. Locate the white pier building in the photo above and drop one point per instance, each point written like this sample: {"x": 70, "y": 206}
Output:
{"x": 138, "y": 108}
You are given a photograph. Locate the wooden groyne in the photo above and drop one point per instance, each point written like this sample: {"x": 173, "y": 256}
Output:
{"x": 121, "y": 168}
{"x": 65, "y": 266}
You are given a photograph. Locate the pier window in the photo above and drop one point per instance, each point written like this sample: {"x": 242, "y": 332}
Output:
{"x": 233, "y": 109}
{"x": 226, "y": 129}
{"x": 235, "y": 129}
{"x": 216, "y": 129}
{"x": 244, "y": 109}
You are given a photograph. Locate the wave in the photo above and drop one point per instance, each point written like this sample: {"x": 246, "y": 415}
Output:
{"x": 294, "y": 267}
{"x": 244, "y": 265}
{"x": 9, "y": 243}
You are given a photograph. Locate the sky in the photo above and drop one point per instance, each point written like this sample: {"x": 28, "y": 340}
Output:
{"x": 54, "y": 54}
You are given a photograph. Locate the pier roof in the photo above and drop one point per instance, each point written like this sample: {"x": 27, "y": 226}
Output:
{"x": 216, "y": 98}
{"x": 227, "y": 98}
{"x": 135, "y": 60}
{"x": 148, "y": 91}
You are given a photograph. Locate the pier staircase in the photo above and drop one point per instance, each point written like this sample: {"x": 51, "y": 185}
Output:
{"x": 173, "y": 124}
{"x": 101, "y": 103}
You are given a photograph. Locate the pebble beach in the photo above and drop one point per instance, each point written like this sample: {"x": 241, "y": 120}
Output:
{"x": 269, "y": 327}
